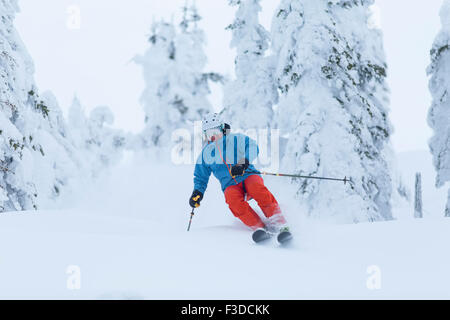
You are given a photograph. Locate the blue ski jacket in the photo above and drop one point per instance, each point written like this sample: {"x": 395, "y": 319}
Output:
{"x": 219, "y": 156}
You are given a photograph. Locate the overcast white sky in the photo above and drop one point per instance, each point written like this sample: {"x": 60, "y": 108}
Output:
{"x": 94, "y": 60}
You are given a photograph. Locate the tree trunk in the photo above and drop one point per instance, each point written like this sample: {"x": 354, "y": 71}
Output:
{"x": 447, "y": 209}
{"x": 418, "y": 197}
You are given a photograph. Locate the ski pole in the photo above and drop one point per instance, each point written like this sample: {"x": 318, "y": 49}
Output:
{"x": 190, "y": 220}
{"x": 345, "y": 180}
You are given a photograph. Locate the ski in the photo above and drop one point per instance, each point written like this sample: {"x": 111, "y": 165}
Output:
{"x": 260, "y": 235}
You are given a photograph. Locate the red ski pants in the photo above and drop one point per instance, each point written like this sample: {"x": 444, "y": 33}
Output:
{"x": 255, "y": 188}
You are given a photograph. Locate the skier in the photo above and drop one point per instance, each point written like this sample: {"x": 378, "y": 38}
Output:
{"x": 229, "y": 157}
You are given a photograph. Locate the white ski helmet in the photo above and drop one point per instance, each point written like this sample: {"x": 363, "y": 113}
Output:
{"x": 212, "y": 120}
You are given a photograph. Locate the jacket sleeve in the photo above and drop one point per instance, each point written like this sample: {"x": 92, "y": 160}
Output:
{"x": 201, "y": 176}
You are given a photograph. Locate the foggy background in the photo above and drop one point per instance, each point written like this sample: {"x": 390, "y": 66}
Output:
{"x": 92, "y": 58}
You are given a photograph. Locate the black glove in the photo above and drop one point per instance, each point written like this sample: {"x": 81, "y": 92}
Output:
{"x": 196, "y": 197}
{"x": 239, "y": 169}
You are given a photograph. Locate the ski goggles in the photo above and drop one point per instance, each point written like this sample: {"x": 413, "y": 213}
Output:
{"x": 212, "y": 132}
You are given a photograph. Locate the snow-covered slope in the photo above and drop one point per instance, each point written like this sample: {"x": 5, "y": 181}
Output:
{"x": 127, "y": 234}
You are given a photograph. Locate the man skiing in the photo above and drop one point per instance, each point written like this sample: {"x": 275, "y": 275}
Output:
{"x": 229, "y": 157}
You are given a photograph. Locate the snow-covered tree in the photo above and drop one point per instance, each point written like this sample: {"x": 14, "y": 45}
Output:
{"x": 176, "y": 84}
{"x": 30, "y": 127}
{"x": 55, "y": 172}
{"x": 17, "y": 191}
{"x": 157, "y": 64}
{"x": 39, "y": 158}
{"x": 439, "y": 113}
{"x": 99, "y": 145}
{"x": 248, "y": 100}
{"x": 109, "y": 142}
{"x": 331, "y": 73}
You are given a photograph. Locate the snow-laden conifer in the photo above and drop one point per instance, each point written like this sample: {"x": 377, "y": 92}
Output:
{"x": 176, "y": 84}
{"x": 249, "y": 99}
{"x": 331, "y": 73}
{"x": 439, "y": 113}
